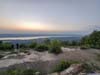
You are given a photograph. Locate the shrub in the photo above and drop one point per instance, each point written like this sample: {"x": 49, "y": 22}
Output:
{"x": 62, "y": 66}
{"x": 41, "y": 47}
{"x": 18, "y": 72}
{"x": 28, "y": 72}
{"x": 55, "y": 50}
{"x": 92, "y": 40}
{"x": 0, "y": 42}
{"x": 65, "y": 43}
{"x": 74, "y": 43}
{"x": 98, "y": 56}
{"x": 71, "y": 43}
{"x": 55, "y": 47}
{"x": 84, "y": 47}
{"x": 47, "y": 41}
{"x": 6, "y": 46}
{"x": 33, "y": 45}
{"x": 23, "y": 46}
{"x": 1, "y": 56}
{"x": 88, "y": 67}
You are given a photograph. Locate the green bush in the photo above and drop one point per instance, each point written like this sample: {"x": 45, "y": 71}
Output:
{"x": 28, "y": 72}
{"x": 92, "y": 40}
{"x": 1, "y": 56}
{"x": 41, "y": 47}
{"x": 55, "y": 50}
{"x": 65, "y": 43}
{"x": 84, "y": 47}
{"x": 89, "y": 67}
{"x": 72, "y": 43}
{"x": 33, "y": 45}
{"x": 18, "y": 72}
{"x": 0, "y": 42}
{"x": 98, "y": 56}
{"x": 23, "y": 46}
{"x": 55, "y": 47}
{"x": 75, "y": 43}
{"x": 47, "y": 41}
{"x": 6, "y": 46}
{"x": 63, "y": 65}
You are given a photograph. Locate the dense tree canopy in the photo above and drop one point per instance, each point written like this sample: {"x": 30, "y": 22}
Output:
{"x": 92, "y": 40}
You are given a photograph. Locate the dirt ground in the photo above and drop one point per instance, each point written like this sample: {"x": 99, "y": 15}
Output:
{"x": 48, "y": 60}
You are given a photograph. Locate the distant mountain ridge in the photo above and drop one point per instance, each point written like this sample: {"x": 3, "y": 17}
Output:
{"x": 32, "y": 35}
{"x": 22, "y": 38}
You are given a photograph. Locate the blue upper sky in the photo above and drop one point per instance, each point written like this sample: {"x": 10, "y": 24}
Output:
{"x": 49, "y": 16}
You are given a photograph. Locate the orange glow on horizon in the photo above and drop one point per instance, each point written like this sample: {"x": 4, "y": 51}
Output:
{"x": 31, "y": 26}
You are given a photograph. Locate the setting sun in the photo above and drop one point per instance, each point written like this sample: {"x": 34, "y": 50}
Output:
{"x": 32, "y": 26}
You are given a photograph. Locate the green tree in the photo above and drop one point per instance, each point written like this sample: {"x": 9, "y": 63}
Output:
{"x": 92, "y": 40}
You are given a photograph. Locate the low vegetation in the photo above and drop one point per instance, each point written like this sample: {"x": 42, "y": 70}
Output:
{"x": 41, "y": 47}
{"x": 92, "y": 40}
{"x": 72, "y": 43}
{"x": 86, "y": 42}
{"x": 24, "y": 46}
{"x": 18, "y": 72}
{"x": 64, "y": 65}
{"x": 6, "y": 46}
{"x": 55, "y": 47}
{"x": 90, "y": 67}
{"x": 33, "y": 45}
{"x": 1, "y": 56}
{"x": 98, "y": 56}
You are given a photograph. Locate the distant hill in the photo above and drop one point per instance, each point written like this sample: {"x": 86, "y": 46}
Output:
{"x": 30, "y": 35}
{"x": 65, "y": 38}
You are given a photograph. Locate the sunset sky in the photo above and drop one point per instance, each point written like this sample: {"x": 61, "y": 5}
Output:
{"x": 49, "y": 16}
